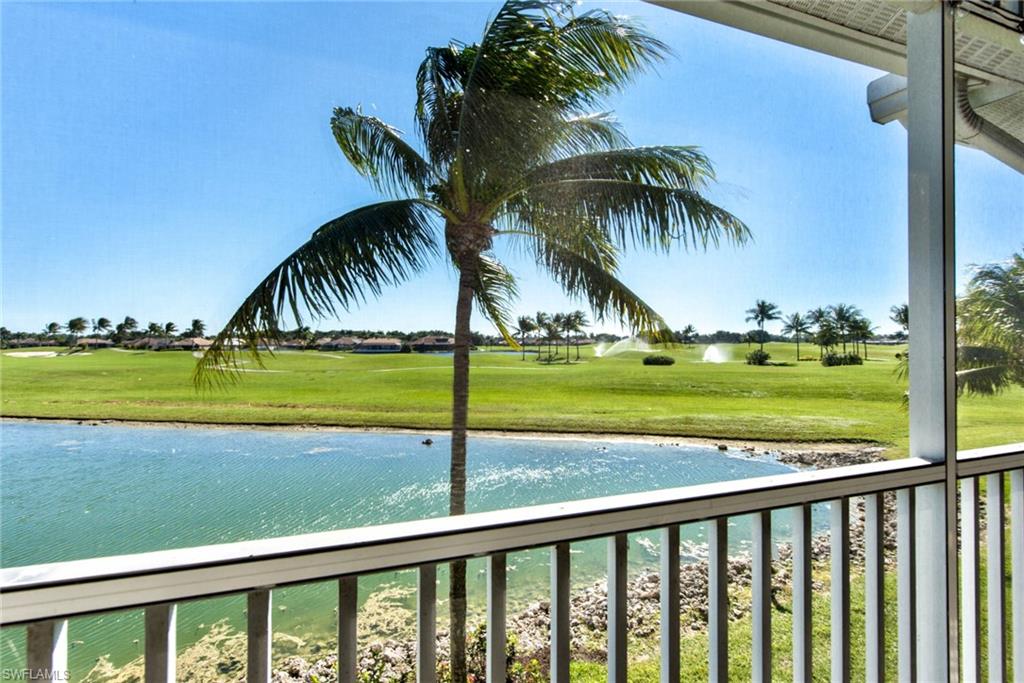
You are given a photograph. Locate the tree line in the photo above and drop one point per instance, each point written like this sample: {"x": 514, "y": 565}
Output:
{"x": 551, "y": 329}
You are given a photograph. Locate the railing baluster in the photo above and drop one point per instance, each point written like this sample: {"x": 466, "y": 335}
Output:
{"x": 617, "y": 608}
{"x": 47, "y": 650}
{"x": 874, "y": 585}
{"x": 560, "y": 621}
{"x": 496, "y": 569}
{"x": 348, "y": 611}
{"x": 718, "y": 599}
{"x": 259, "y": 636}
{"x": 970, "y": 586}
{"x": 670, "y": 604}
{"x": 996, "y": 558}
{"x": 161, "y": 643}
{"x": 803, "y": 670}
{"x": 906, "y": 598}
{"x": 1017, "y": 570}
{"x": 426, "y": 624}
{"x": 840, "y": 590}
{"x": 761, "y": 589}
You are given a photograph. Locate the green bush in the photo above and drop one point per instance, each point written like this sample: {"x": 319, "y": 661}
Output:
{"x": 758, "y": 357}
{"x": 833, "y": 359}
{"x": 659, "y": 360}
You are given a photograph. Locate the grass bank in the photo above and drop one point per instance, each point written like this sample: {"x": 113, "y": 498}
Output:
{"x": 793, "y": 401}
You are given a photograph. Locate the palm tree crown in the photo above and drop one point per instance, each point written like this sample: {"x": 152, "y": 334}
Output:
{"x": 763, "y": 312}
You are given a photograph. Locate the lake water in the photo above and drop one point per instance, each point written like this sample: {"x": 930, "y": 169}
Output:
{"x": 112, "y": 490}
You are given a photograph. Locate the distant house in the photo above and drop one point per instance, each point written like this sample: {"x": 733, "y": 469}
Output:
{"x": 93, "y": 343}
{"x": 294, "y": 344}
{"x": 190, "y": 344}
{"x": 430, "y": 343}
{"x": 379, "y": 345}
{"x": 339, "y": 344}
{"x": 30, "y": 341}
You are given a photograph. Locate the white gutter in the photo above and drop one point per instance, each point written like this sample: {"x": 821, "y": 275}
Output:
{"x": 887, "y": 101}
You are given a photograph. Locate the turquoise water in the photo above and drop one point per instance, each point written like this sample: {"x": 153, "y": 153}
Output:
{"x": 78, "y": 491}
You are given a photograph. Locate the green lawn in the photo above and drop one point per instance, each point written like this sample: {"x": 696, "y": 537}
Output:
{"x": 793, "y": 401}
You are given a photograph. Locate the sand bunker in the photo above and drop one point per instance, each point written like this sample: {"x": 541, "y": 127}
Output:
{"x": 32, "y": 354}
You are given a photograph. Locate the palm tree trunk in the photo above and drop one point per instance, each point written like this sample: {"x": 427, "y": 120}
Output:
{"x": 457, "y": 495}
{"x": 798, "y": 349}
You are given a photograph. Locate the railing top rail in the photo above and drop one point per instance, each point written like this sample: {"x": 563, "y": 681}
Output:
{"x": 989, "y": 460}
{"x": 79, "y": 587}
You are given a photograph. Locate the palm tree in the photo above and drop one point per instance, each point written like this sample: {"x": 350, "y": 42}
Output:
{"x": 796, "y": 325}
{"x": 197, "y": 328}
{"x": 543, "y": 322}
{"x": 688, "y": 334}
{"x": 170, "y": 329}
{"x": 130, "y": 324}
{"x": 75, "y": 327}
{"x": 820, "y": 319}
{"x": 990, "y": 330}
{"x": 524, "y": 326}
{"x": 843, "y": 317}
{"x": 577, "y": 323}
{"x": 513, "y": 155}
{"x": 51, "y": 329}
{"x": 861, "y": 330}
{"x": 155, "y": 329}
{"x": 762, "y": 312}
{"x": 555, "y": 329}
{"x": 101, "y": 325}
{"x": 900, "y": 315}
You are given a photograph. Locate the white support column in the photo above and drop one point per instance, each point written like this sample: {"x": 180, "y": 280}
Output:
{"x": 761, "y": 590}
{"x": 803, "y": 670}
{"x": 348, "y": 629}
{"x": 670, "y": 604}
{"x": 617, "y": 629}
{"x": 259, "y": 636}
{"x": 718, "y": 600}
{"x": 426, "y": 624}
{"x": 47, "y": 650}
{"x": 496, "y": 641}
{"x": 161, "y": 643}
{"x": 930, "y": 128}
{"x": 560, "y": 620}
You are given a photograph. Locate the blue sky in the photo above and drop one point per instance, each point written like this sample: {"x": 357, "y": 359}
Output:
{"x": 159, "y": 159}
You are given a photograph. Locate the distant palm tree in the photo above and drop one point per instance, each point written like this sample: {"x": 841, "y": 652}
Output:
{"x": 155, "y": 329}
{"x": 577, "y": 323}
{"x": 762, "y": 312}
{"x": 819, "y": 317}
{"x": 688, "y": 334}
{"x": 170, "y": 329}
{"x": 543, "y": 322}
{"x": 512, "y": 156}
{"x": 861, "y": 330}
{"x": 197, "y": 329}
{"x": 51, "y": 329}
{"x": 130, "y": 324}
{"x": 900, "y": 315}
{"x": 843, "y": 317}
{"x": 101, "y": 325}
{"x": 557, "y": 328}
{"x": 524, "y": 326}
{"x": 75, "y": 327}
{"x": 798, "y": 326}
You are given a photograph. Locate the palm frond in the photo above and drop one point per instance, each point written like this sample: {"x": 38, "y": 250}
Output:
{"x": 378, "y": 152}
{"x": 590, "y": 133}
{"x": 438, "y": 100}
{"x": 665, "y": 166}
{"x": 630, "y": 213}
{"x": 585, "y": 265}
{"x": 346, "y": 259}
{"x": 496, "y": 293}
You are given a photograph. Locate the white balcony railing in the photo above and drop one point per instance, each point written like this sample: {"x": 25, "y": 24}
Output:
{"x": 44, "y": 596}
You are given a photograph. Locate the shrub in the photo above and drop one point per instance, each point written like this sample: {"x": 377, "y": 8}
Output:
{"x": 758, "y": 357}
{"x": 659, "y": 360}
{"x": 833, "y": 359}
